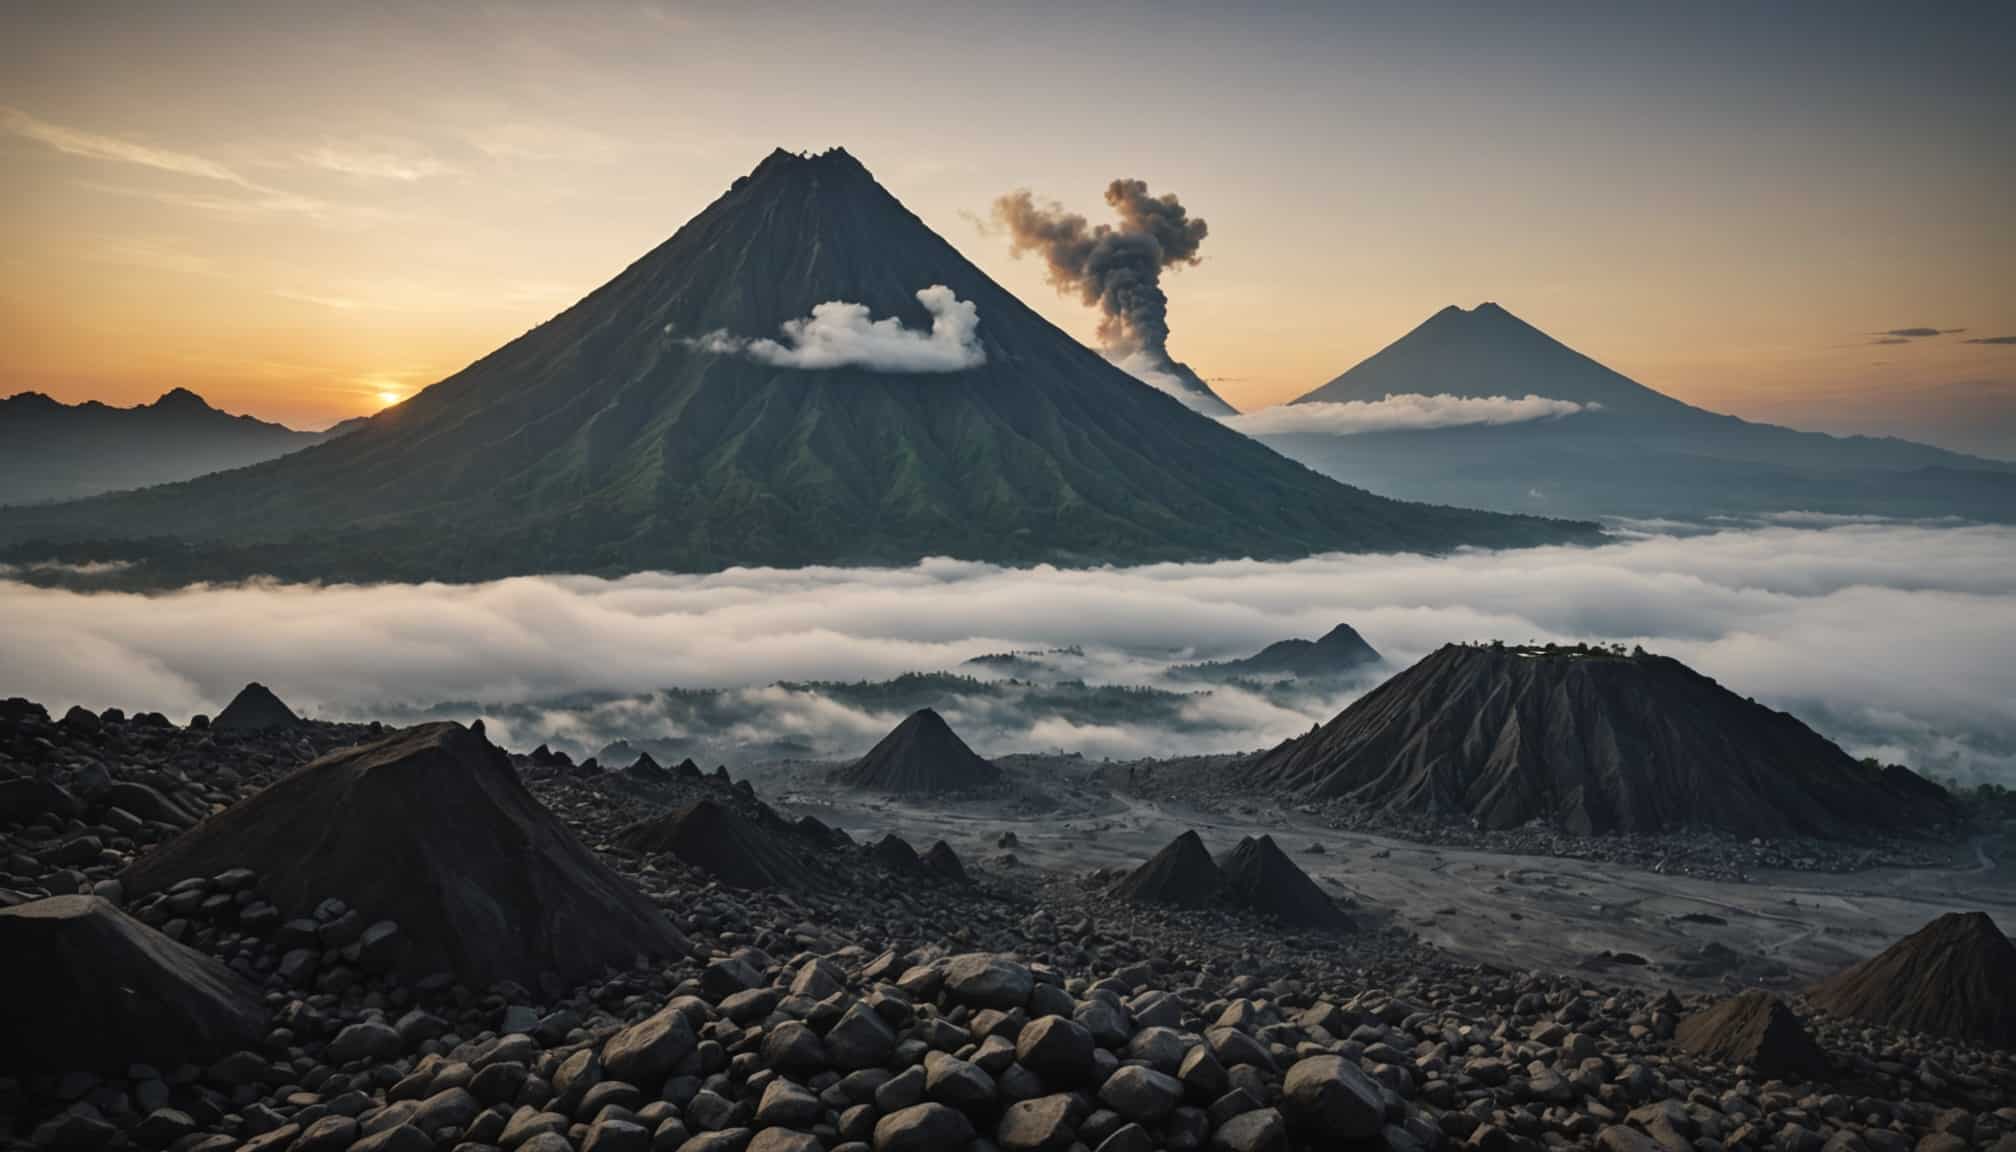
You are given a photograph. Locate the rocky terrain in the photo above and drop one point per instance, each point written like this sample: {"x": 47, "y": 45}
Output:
{"x": 999, "y": 1007}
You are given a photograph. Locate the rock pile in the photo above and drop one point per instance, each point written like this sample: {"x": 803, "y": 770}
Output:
{"x": 429, "y": 829}
{"x": 920, "y": 756}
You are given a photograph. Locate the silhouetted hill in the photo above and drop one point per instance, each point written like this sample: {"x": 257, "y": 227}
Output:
{"x": 922, "y": 755}
{"x": 1591, "y": 742}
{"x": 1638, "y": 452}
{"x": 637, "y": 430}
{"x": 1341, "y": 652}
{"x": 55, "y": 451}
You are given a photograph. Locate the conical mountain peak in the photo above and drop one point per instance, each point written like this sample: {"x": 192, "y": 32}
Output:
{"x": 740, "y": 396}
{"x": 1487, "y": 351}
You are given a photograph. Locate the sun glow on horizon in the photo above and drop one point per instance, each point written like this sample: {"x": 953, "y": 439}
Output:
{"x": 388, "y": 397}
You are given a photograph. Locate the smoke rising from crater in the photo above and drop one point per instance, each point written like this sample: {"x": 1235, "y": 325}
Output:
{"x": 1115, "y": 268}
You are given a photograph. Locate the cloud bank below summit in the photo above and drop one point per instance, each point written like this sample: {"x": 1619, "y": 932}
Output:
{"x": 1400, "y": 412}
{"x": 1891, "y": 638}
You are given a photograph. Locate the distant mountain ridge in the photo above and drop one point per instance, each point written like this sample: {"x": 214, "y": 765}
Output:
{"x": 638, "y": 429}
{"x": 1635, "y": 453}
{"x": 1340, "y": 652}
{"x": 50, "y": 450}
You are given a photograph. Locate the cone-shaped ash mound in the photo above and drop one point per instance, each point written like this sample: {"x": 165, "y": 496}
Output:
{"x": 429, "y": 828}
{"x": 1954, "y": 977}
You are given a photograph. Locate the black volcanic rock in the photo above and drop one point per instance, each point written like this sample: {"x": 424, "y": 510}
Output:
{"x": 714, "y": 838}
{"x": 55, "y": 451}
{"x": 1955, "y": 977}
{"x": 1258, "y": 876}
{"x": 645, "y": 768}
{"x": 941, "y": 861}
{"x": 89, "y": 988}
{"x": 429, "y": 828}
{"x": 1182, "y": 874}
{"x": 1341, "y": 652}
{"x": 1754, "y": 1029}
{"x": 619, "y": 436}
{"x": 254, "y": 709}
{"x": 895, "y": 853}
{"x": 1591, "y": 742}
{"x": 921, "y": 756}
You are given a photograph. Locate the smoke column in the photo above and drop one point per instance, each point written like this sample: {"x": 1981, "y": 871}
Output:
{"x": 1117, "y": 269}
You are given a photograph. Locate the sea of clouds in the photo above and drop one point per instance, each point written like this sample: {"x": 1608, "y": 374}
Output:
{"x": 1892, "y": 638}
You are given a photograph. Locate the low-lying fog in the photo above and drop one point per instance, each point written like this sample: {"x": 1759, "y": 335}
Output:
{"x": 1895, "y": 639}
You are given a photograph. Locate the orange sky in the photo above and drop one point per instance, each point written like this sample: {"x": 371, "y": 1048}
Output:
{"x": 298, "y": 214}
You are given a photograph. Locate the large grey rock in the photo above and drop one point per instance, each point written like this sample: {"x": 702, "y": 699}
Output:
{"x": 1331, "y": 1096}
{"x": 984, "y": 981}
{"x": 923, "y": 1128}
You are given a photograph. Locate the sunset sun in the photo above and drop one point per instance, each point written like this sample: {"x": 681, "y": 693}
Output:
{"x": 389, "y": 397}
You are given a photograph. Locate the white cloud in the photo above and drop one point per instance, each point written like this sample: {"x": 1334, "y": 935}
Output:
{"x": 1398, "y": 412}
{"x": 95, "y": 146}
{"x": 402, "y": 167}
{"x": 840, "y": 334}
{"x": 1892, "y": 638}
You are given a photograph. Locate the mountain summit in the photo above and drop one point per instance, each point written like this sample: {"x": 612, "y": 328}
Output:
{"x": 743, "y": 395}
{"x": 1487, "y": 351}
{"x": 1623, "y": 450}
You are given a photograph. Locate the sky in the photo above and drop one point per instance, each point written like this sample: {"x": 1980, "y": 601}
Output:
{"x": 306, "y": 210}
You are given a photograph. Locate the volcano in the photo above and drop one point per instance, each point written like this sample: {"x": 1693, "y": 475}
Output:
{"x": 1622, "y": 450}
{"x": 659, "y": 424}
{"x": 1593, "y": 742}
{"x": 1954, "y": 977}
{"x": 920, "y": 756}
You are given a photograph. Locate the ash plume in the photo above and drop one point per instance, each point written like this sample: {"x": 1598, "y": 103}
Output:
{"x": 1115, "y": 268}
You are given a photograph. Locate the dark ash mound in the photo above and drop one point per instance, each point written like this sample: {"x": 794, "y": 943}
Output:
{"x": 1954, "y": 977}
{"x": 89, "y": 988}
{"x": 1756, "y": 1029}
{"x": 1255, "y": 876}
{"x": 432, "y": 829}
{"x": 921, "y": 756}
{"x": 1590, "y": 742}
{"x": 255, "y": 709}
{"x": 717, "y": 840}
{"x": 1182, "y": 874}
{"x": 1260, "y": 877}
